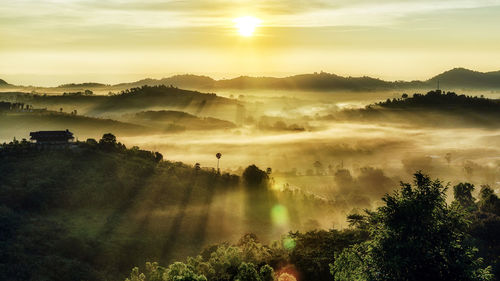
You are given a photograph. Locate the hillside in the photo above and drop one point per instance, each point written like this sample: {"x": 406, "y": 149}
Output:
{"x": 435, "y": 108}
{"x": 18, "y": 123}
{"x": 186, "y": 81}
{"x": 93, "y": 211}
{"x": 83, "y": 85}
{"x": 178, "y": 120}
{"x": 136, "y": 99}
{"x": 467, "y": 79}
{"x": 3, "y": 83}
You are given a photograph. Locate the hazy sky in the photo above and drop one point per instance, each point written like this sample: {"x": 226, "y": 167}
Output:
{"x": 48, "y": 42}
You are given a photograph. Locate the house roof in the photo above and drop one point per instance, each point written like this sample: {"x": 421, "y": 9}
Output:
{"x": 52, "y": 134}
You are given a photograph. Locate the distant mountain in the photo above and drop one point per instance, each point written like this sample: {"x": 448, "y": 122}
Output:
{"x": 316, "y": 81}
{"x": 465, "y": 78}
{"x": 436, "y": 109}
{"x": 83, "y": 85}
{"x": 187, "y": 81}
{"x": 3, "y": 83}
{"x": 457, "y": 78}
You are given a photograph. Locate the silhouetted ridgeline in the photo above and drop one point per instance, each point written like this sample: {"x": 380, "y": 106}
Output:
{"x": 468, "y": 79}
{"x": 83, "y": 85}
{"x": 457, "y": 78}
{"x": 131, "y": 100}
{"x": 435, "y": 108}
{"x": 3, "y": 83}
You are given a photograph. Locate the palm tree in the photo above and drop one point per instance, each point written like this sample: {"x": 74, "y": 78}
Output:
{"x": 218, "y": 155}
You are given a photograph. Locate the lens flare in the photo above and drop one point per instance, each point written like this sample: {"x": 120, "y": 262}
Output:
{"x": 279, "y": 215}
{"x": 285, "y": 276}
{"x": 289, "y": 243}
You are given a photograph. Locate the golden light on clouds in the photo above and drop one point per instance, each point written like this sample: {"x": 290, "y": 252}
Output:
{"x": 246, "y": 25}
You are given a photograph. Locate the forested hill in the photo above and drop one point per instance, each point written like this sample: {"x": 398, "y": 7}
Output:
{"x": 448, "y": 101}
{"x": 132, "y": 100}
{"x": 3, "y": 83}
{"x": 457, "y": 78}
{"x": 435, "y": 108}
{"x": 86, "y": 212}
{"x": 454, "y": 79}
{"x": 461, "y": 78}
{"x": 95, "y": 209}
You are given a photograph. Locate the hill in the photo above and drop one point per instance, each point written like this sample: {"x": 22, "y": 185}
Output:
{"x": 83, "y": 85}
{"x": 170, "y": 119}
{"x": 186, "y": 81}
{"x": 435, "y": 108}
{"x": 92, "y": 211}
{"x": 3, "y": 83}
{"x": 457, "y": 78}
{"x": 467, "y": 79}
{"x": 18, "y": 123}
{"x": 137, "y": 99}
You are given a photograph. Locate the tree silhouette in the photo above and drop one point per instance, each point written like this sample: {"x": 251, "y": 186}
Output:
{"x": 415, "y": 235}
{"x": 218, "y": 155}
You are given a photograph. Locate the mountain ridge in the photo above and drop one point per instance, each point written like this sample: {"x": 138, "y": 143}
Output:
{"x": 456, "y": 78}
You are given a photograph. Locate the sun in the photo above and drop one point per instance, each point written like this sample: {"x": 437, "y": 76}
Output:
{"x": 246, "y": 25}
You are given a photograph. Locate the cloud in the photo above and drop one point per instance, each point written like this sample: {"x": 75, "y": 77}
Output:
{"x": 175, "y": 13}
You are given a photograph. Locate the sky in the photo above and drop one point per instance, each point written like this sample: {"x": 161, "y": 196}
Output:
{"x": 50, "y": 42}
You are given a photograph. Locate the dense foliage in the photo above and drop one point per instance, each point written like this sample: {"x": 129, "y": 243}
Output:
{"x": 436, "y": 108}
{"x": 415, "y": 235}
{"x": 81, "y": 212}
{"x": 71, "y": 213}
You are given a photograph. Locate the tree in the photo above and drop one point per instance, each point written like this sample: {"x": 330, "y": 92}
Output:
{"x": 356, "y": 221}
{"x": 158, "y": 157}
{"x": 266, "y": 273}
{"x": 179, "y": 271}
{"x": 247, "y": 272}
{"x": 218, "y": 155}
{"x": 269, "y": 170}
{"x": 255, "y": 177}
{"x": 463, "y": 196}
{"x": 108, "y": 139}
{"x": 489, "y": 201}
{"x": 448, "y": 158}
{"x": 318, "y": 167}
{"x": 414, "y": 236}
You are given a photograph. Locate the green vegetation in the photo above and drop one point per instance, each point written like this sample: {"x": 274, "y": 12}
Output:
{"x": 415, "y": 235}
{"x": 435, "y": 108}
{"x": 87, "y": 211}
{"x": 95, "y": 209}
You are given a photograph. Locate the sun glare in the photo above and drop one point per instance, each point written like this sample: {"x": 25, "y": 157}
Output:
{"x": 246, "y": 25}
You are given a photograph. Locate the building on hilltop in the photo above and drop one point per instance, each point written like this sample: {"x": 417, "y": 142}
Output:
{"x": 52, "y": 137}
